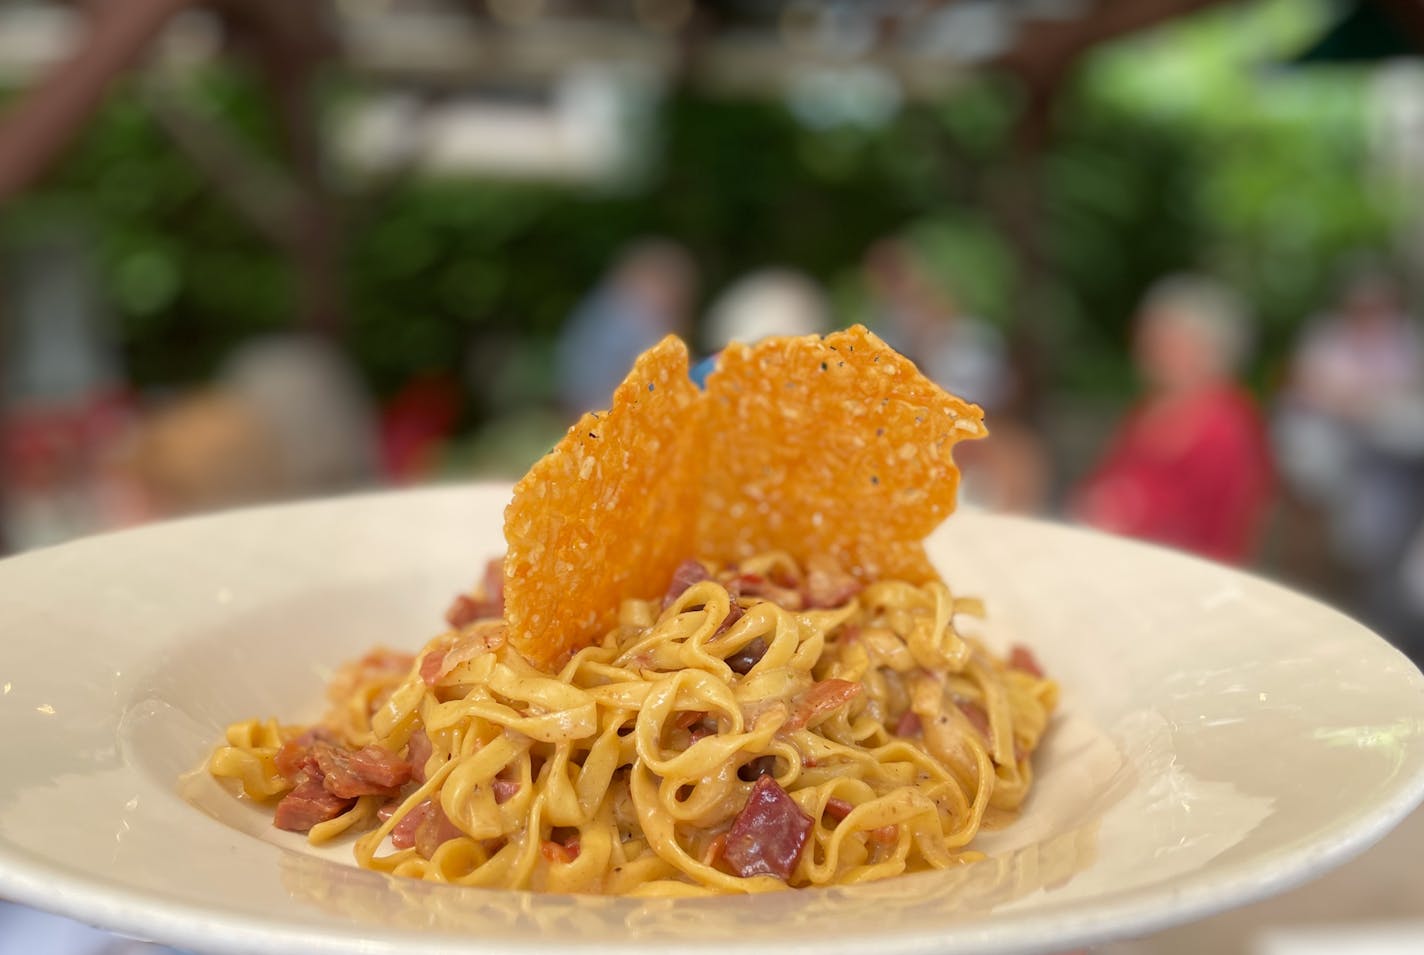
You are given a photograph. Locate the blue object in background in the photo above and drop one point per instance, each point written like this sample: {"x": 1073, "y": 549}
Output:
{"x": 702, "y": 369}
{"x": 25, "y": 931}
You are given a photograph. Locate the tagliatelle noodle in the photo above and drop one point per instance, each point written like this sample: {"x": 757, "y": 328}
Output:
{"x": 636, "y": 751}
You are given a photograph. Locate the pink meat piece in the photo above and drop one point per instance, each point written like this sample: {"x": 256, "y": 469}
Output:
{"x": 977, "y": 717}
{"x": 403, "y": 832}
{"x": 755, "y": 585}
{"x": 688, "y": 572}
{"x": 370, "y": 771}
{"x": 768, "y": 835}
{"x": 463, "y": 610}
{"x": 488, "y": 604}
{"x": 466, "y": 645}
{"x": 560, "y": 852}
{"x": 884, "y": 836}
{"x": 295, "y": 755}
{"x": 424, "y": 828}
{"x": 823, "y": 698}
{"x": 494, "y": 587}
{"x": 908, "y": 724}
{"x": 293, "y": 759}
{"x": 418, "y": 752}
{"x": 431, "y": 665}
{"x": 687, "y": 718}
{"x": 1022, "y": 658}
{"x": 307, "y": 805}
{"x": 504, "y": 789}
{"x": 828, "y": 586}
{"x": 434, "y": 830}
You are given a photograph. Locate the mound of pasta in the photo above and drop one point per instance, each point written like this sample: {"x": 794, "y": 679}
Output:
{"x": 761, "y": 726}
{"x": 801, "y": 706}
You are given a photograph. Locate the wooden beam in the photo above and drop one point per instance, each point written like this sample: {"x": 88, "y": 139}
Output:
{"x": 49, "y": 116}
{"x": 253, "y": 185}
{"x": 291, "y": 42}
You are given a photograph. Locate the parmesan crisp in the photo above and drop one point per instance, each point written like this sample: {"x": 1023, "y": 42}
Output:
{"x": 834, "y": 446}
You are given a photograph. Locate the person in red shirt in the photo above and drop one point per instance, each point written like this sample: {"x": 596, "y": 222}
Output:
{"x": 1190, "y": 465}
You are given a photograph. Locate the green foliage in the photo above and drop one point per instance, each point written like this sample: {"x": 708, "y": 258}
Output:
{"x": 185, "y": 276}
{"x": 1277, "y": 172}
{"x": 1120, "y": 214}
{"x": 1188, "y": 148}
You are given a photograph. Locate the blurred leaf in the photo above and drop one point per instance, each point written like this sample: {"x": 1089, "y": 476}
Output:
{"x": 146, "y": 281}
{"x": 1184, "y": 148}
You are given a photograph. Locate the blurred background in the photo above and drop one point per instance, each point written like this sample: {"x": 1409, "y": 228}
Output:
{"x": 256, "y": 249}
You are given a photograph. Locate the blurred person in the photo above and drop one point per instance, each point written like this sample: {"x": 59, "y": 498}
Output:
{"x": 1189, "y": 466}
{"x": 1356, "y": 380}
{"x": 314, "y": 406}
{"x": 1351, "y": 433}
{"x": 762, "y": 304}
{"x": 775, "y": 301}
{"x": 918, "y": 313}
{"x": 202, "y": 451}
{"x": 286, "y": 416}
{"x": 1412, "y": 573}
{"x": 647, "y": 295}
{"x": 1364, "y": 355}
{"x": 1352, "y": 366}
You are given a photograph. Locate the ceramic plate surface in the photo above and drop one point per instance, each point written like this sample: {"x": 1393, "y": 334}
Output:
{"x": 1220, "y": 738}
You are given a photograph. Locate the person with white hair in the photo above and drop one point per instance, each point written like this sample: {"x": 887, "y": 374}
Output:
{"x": 1190, "y": 465}
{"x": 772, "y": 301}
{"x": 1350, "y": 434}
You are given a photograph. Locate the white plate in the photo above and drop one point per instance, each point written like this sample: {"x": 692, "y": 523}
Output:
{"x": 1220, "y": 739}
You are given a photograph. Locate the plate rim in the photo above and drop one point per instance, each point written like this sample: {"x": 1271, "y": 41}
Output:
{"x": 29, "y": 879}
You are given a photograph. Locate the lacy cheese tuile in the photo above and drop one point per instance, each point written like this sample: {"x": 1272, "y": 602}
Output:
{"x": 835, "y": 448}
